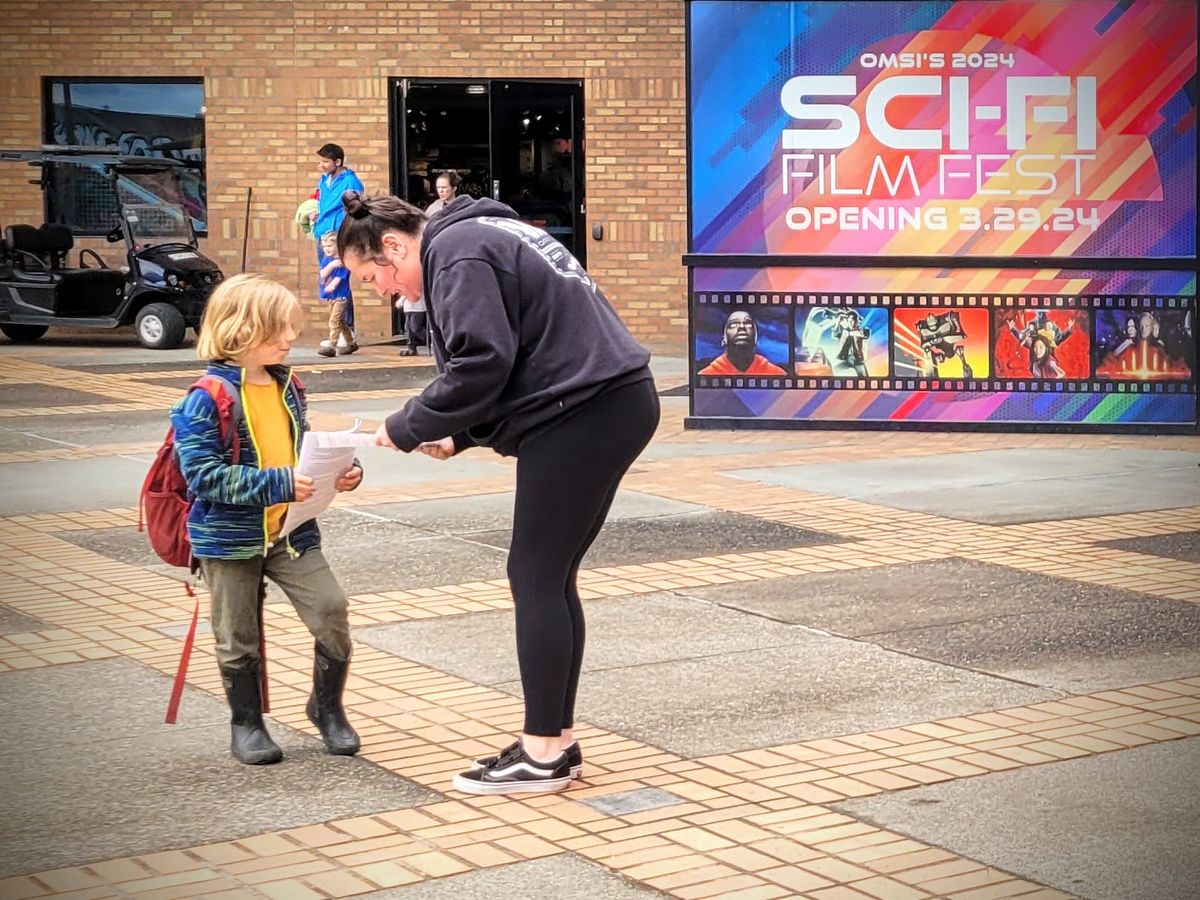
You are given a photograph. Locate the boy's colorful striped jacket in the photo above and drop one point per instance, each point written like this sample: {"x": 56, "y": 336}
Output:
{"x": 228, "y": 518}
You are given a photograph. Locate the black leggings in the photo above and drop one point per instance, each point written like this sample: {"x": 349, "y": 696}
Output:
{"x": 567, "y": 477}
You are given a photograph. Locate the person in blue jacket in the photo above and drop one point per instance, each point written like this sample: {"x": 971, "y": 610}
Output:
{"x": 335, "y": 179}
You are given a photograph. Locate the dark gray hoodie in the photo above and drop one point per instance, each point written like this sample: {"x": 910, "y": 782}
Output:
{"x": 521, "y": 332}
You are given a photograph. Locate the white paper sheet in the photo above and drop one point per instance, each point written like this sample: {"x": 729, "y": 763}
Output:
{"x": 324, "y": 457}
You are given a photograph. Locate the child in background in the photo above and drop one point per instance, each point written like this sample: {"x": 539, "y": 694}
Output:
{"x": 414, "y": 324}
{"x": 249, "y": 326}
{"x": 335, "y": 290}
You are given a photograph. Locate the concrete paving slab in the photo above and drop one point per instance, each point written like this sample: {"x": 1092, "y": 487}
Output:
{"x": 1048, "y": 631}
{"x": 366, "y": 554}
{"x": 1077, "y": 649}
{"x": 557, "y": 876}
{"x": 860, "y": 602}
{"x": 814, "y": 688}
{"x": 391, "y": 467}
{"x": 126, "y": 545}
{"x": 1007, "y": 486}
{"x": 1120, "y": 826}
{"x": 1185, "y": 546}
{"x": 493, "y": 512}
{"x": 384, "y": 565}
{"x": 18, "y": 440}
{"x": 621, "y": 632}
{"x": 27, "y": 395}
{"x": 12, "y": 622}
{"x": 373, "y": 410}
{"x": 634, "y": 541}
{"x": 93, "y": 429}
{"x": 88, "y": 771}
{"x": 66, "y": 485}
{"x": 76, "y": 704}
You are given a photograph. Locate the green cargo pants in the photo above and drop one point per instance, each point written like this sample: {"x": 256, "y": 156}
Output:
{"x": 306, "y": 580}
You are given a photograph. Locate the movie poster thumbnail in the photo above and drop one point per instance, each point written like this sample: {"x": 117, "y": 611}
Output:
{"x": 1041, "y": 344}
{"x": 841, "y": 342}
{"x": 1145, "y": 344}
{"x": 940, "y": 342}
{"x": 737, "y": 341}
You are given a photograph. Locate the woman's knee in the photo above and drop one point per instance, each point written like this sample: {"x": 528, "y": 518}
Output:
{"x": 536, "y": 575}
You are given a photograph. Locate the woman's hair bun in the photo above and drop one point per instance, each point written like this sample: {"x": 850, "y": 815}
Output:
{"x": 355, "y": 204}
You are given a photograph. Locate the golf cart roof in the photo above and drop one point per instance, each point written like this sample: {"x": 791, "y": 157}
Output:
{"x": 51, "y": 154}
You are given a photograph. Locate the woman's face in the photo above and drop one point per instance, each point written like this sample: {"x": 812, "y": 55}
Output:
{"x": 397, "y": 270}
{"x": 445, "y": 190}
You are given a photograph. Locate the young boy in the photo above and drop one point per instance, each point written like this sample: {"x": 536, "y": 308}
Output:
{"x": 335, "y": 290}
{"x": 249, "y": 326}
{"x": 414, "y": 324}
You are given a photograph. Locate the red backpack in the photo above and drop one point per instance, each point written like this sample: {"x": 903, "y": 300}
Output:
{"x": 165, "y": 503}
{"x": 163, "y": 513}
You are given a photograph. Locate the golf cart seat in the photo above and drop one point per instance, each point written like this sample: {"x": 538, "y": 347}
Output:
{"x": 39, "y": 255}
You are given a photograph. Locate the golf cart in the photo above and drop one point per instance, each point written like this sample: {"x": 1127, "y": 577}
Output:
{"x": 162, "y": 288}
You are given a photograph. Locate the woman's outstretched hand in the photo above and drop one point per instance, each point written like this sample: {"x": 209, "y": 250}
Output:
{"x": 443, "y": 449}
{"x": 382, "y": 439}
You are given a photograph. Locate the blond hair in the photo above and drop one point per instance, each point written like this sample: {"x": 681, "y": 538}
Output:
{"x": 243, "y": 313}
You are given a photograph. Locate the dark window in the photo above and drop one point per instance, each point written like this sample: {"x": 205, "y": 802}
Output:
{"x": 137, "y": 117}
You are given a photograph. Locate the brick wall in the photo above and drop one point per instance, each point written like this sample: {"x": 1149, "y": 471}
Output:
{"x": 283, "y": 77}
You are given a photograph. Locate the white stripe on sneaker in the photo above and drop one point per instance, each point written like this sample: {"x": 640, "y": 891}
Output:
{"x": 533, "y": 786}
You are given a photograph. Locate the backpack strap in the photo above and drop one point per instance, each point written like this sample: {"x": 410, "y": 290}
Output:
{"x": 300, "y": 392}
{"x": 228, "y": 401}
{"x": 229, "y": 412}
{"x": 184, "y": 657}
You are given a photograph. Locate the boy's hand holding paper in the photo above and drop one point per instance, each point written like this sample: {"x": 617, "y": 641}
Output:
{"x": 327, "y": 460}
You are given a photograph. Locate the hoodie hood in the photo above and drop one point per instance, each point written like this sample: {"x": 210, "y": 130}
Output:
{"x": 522, "y": 333}
{"x": 460, "y": 209}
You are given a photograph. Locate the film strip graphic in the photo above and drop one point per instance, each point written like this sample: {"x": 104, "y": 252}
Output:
{"x": 1036, "y": 343}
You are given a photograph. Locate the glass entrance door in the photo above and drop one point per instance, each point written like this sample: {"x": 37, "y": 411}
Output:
{"x": 445, "y": 128}
{"x": 536, "y": 157}
{"x": 519, "y": 142}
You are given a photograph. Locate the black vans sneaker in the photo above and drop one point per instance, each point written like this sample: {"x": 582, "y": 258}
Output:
{"x": 574, "y": 758}
{"x": 515, "y": 772}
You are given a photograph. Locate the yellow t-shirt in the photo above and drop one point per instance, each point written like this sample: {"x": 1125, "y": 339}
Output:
{"x": 272, "y": 428}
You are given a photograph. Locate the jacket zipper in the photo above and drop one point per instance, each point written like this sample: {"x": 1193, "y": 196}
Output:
{"x": 258, "y": 459}
{"x": 287, "y": 381}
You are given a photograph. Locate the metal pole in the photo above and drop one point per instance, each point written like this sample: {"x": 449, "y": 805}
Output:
{"x": 246, "y": 227}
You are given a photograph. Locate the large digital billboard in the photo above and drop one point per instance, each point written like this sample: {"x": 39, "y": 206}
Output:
{"x": 979, "y": 202}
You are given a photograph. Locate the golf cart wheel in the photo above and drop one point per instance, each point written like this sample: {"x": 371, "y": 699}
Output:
{"x": 160, "y": 326}
{"x": 23, "y": 334}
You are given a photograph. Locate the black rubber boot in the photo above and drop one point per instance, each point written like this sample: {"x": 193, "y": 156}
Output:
{"x": 325, "y": 704}
{"x": 250, "y": 742}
